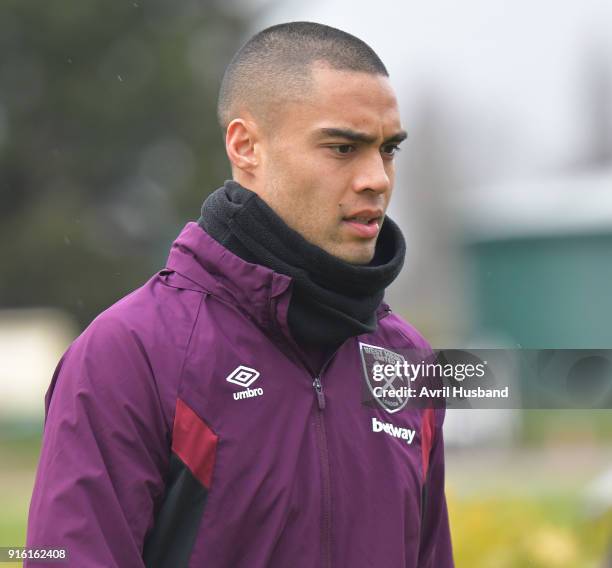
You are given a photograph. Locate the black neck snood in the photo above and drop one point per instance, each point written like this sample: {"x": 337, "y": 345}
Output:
{"x": 331, "y": 300}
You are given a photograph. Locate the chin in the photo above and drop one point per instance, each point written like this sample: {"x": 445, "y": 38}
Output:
{"x": 356, "y": 255}
{"x": 352, "y": 252}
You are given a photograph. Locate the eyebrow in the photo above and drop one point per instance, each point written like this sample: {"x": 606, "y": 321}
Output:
{"x": 356, "y": 136}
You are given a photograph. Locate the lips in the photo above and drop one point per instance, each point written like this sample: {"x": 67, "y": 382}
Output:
{"x": 365, "y": 223}
{"x": 364, "y": 220}
{"x": 365, "y": 216}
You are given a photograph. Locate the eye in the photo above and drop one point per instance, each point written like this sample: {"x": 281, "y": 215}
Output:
{"x": 343, "y": 149}
{"x": 390, "y": 149}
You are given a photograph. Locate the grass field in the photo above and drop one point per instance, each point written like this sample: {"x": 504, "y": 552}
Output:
{"x": 18, "y": 456}
{"x": 513, "y": 509}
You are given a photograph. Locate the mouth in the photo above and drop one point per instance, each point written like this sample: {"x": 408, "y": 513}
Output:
{"x": 364, "y": 224}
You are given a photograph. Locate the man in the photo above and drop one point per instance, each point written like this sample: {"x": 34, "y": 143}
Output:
{"x": 216, "y": 416}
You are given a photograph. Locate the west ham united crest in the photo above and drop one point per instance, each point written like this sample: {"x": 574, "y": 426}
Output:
{"x": 384, "y": 389}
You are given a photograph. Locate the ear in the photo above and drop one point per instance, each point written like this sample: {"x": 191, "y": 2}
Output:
{"x": 242, "y": 144}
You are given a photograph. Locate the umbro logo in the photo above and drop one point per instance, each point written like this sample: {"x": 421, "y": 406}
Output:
{"x": 244, "y": 377}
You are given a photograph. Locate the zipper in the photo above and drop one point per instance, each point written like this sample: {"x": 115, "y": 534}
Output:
{"x": 324, "y": 460}
{"x": 318, "y": 387}
{"x": 323, "y": 450}
{"x": 322, "y": 443}
{"x": 325, "y": 486}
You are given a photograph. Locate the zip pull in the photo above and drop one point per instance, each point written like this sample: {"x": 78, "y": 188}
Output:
{"x": 319, "y": 390}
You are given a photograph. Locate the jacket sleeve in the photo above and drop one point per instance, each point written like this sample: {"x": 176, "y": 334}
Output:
{"x": 435, "y": 547}
{"x": 104, "y": 452}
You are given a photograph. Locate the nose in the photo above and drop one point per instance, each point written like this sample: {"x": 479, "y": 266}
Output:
{"x": 373, "y": 174}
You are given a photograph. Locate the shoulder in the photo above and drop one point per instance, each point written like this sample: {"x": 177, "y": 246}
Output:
{"x": 161, "y": 310}
{"x": 401, "y": 333}
{"x": 135, "y": 348}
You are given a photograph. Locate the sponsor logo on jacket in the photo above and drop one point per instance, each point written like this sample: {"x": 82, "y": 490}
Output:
{"x": 393, "y": 430}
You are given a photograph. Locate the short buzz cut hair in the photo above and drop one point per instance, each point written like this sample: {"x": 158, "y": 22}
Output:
{"x": 275, "y": 66}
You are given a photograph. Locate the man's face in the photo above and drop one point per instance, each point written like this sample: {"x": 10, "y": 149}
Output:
{"x": 328, "y": 161}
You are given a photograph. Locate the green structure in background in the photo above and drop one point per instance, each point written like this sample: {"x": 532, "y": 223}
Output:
{"x": 540, "y": 257}
{"x": 546, "y": 292}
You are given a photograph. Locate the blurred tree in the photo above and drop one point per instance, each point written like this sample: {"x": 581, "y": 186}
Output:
{"x": 108, "y": 141}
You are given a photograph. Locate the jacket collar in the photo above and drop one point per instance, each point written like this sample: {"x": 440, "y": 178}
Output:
{"x": 252, "y": 287}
